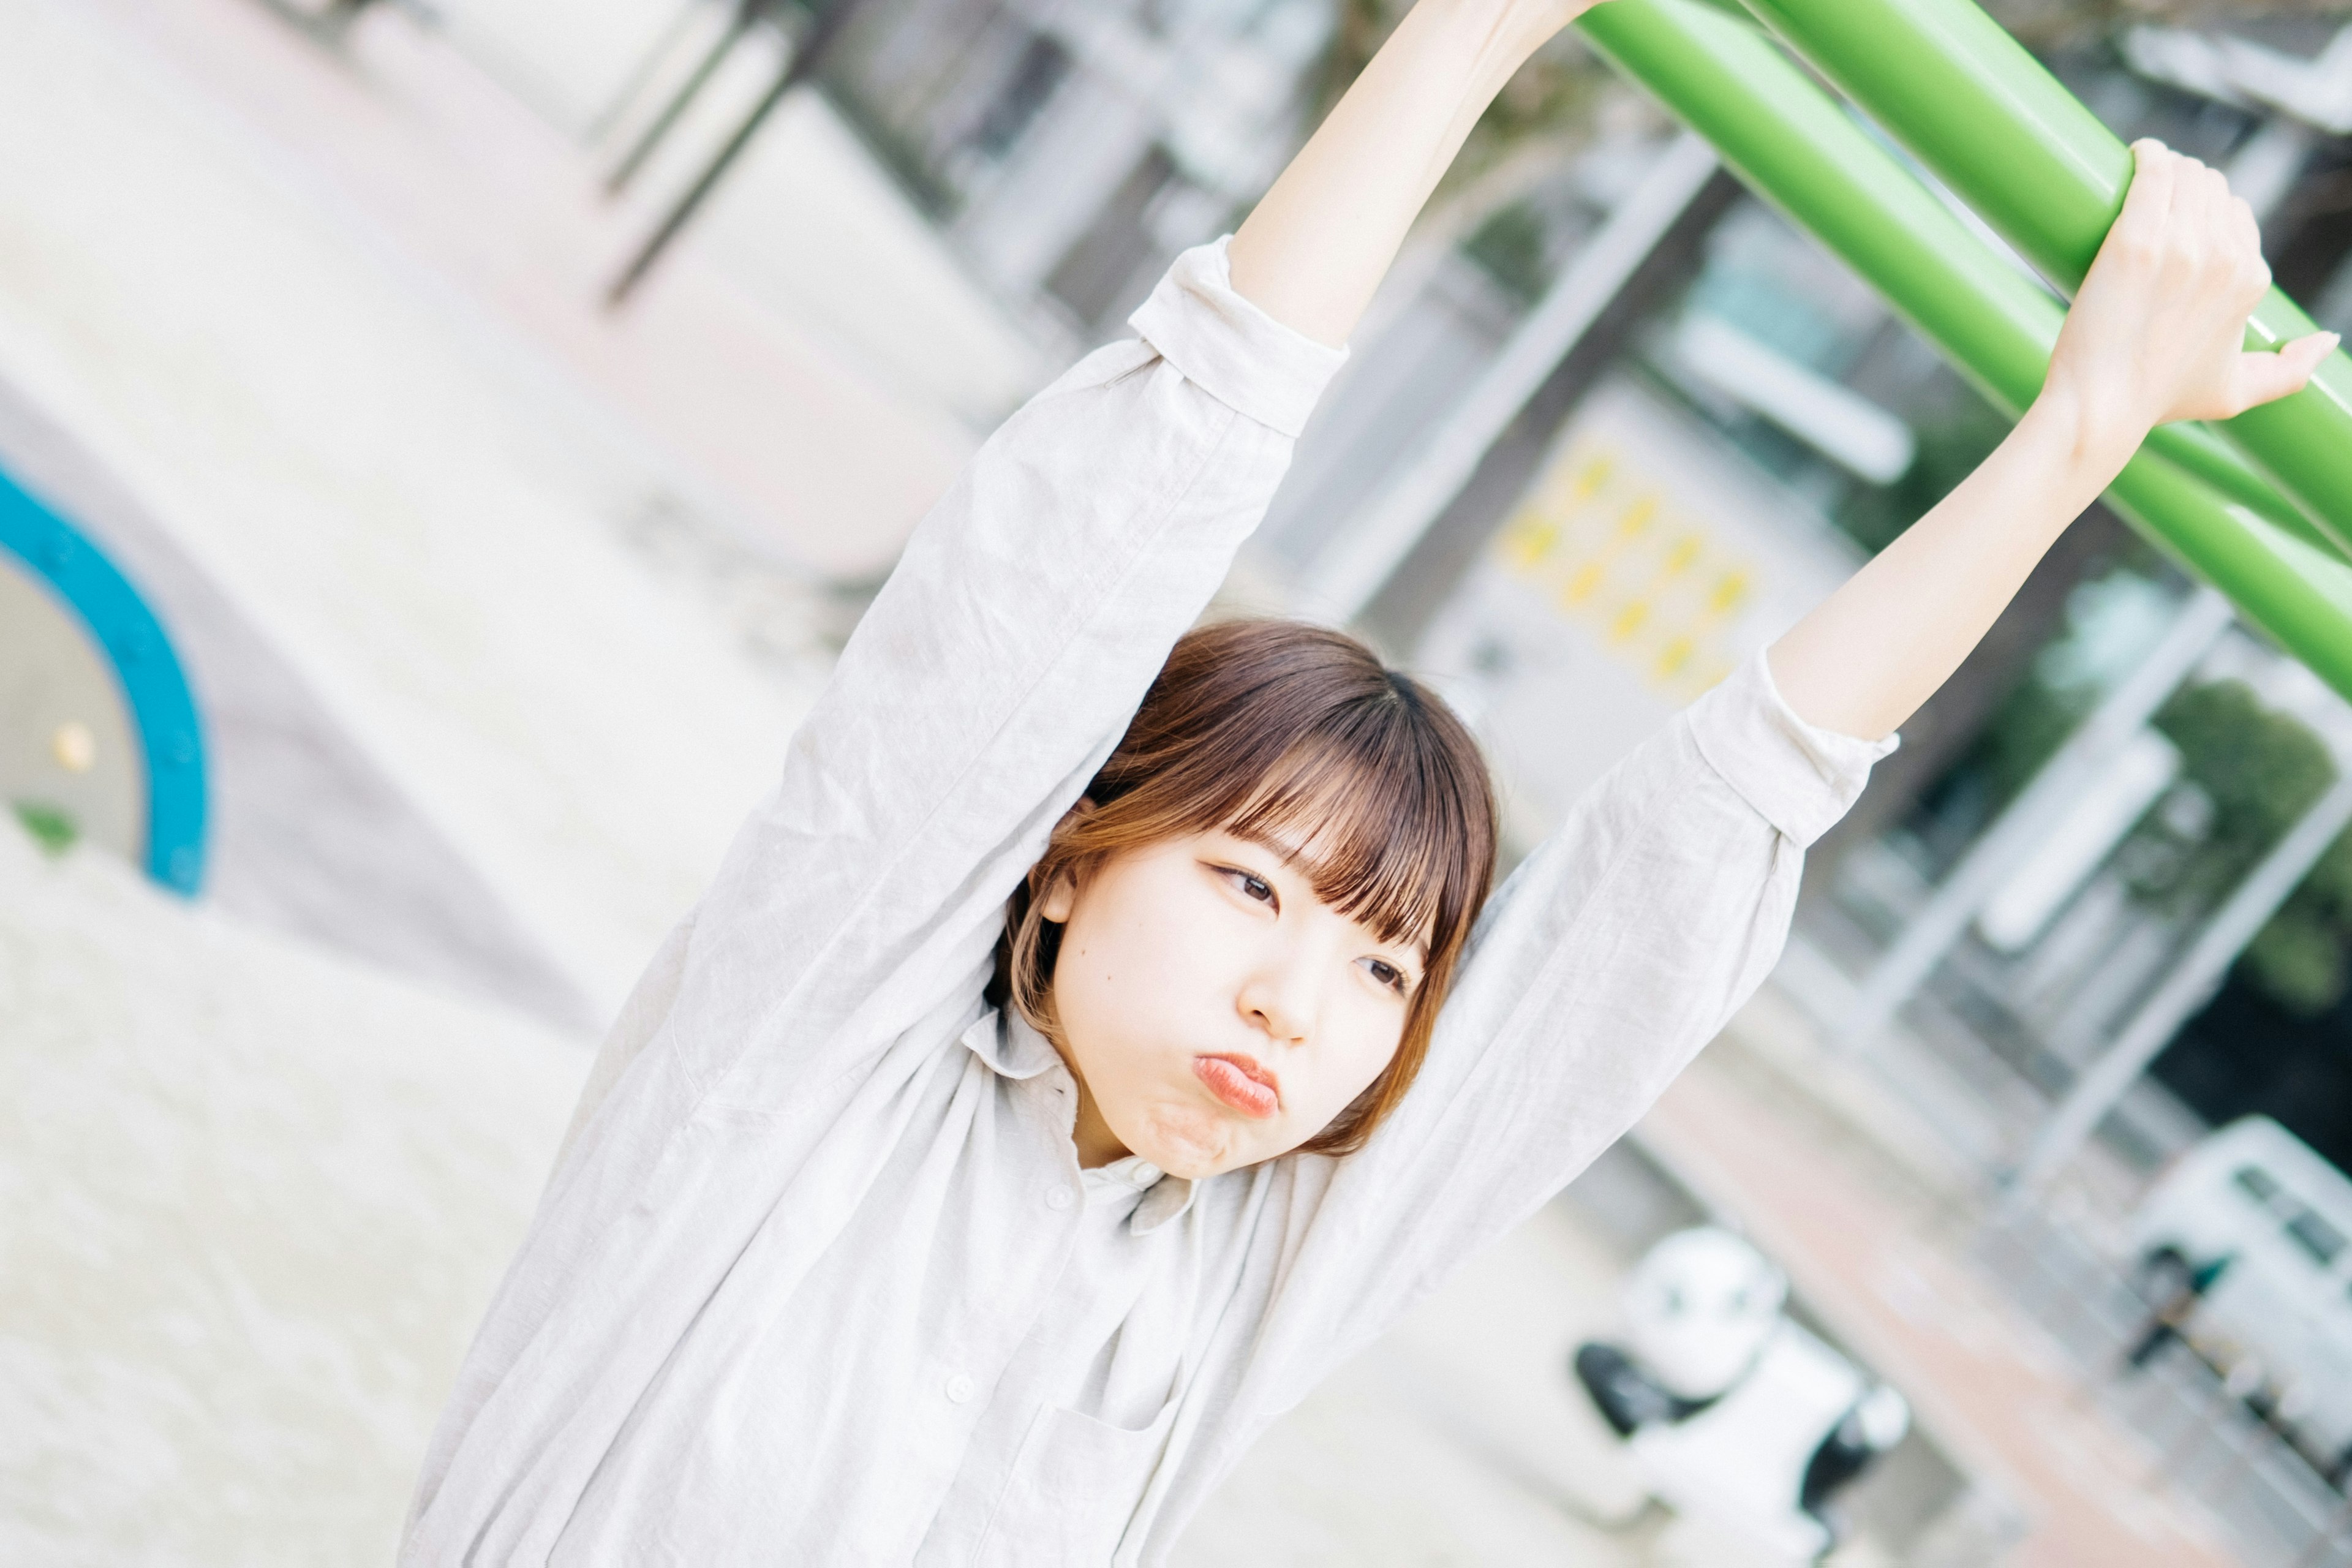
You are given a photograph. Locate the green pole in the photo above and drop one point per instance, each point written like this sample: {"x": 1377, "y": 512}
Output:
{"x": 1971, "y": 104}
{"x": 1790, "y": 143}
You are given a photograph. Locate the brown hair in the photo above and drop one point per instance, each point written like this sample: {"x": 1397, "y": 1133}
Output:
{"x": 1256, "y": 726}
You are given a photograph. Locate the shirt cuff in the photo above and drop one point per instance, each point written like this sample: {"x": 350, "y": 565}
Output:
{"x": 1800, "y": 778}
{"x": 1234, "y": 352}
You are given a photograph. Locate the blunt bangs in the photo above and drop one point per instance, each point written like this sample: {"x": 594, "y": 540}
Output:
{"x": 1367, "y": 809}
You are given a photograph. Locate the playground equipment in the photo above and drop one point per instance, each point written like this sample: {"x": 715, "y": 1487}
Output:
{"x": 158, "y": 717}
{"x": 2261, "y": 507}
{"x": 1734, "y": 1416}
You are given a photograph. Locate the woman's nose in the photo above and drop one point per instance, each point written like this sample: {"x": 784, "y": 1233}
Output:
{"x": 1280, "y": 999}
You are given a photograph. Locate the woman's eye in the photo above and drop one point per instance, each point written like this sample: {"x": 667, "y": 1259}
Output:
{"x": 1257, "y": 888}
{"x": 1388, "y": 975}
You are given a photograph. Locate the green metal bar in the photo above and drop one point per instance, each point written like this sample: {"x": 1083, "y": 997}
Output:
{"x": 2298, "y": 591}
{"x": 2194, "y": 449}
{"x": 1800, "y": 149}
{"x": 1971, "y": 104}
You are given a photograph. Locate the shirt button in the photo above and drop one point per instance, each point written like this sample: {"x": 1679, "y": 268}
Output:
{"x": 958, "y": 1388}
{"x": 1058, "y": 1198}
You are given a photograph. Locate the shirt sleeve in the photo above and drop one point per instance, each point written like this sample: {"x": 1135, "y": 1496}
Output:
{"x": 985, "y": 686}
{"x": 1609, "y": 958}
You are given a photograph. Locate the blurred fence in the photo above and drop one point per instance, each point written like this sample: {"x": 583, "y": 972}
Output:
{"x": 2209, "y": 1443}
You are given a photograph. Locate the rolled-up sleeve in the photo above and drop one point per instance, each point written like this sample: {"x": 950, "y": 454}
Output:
{"x": 1231, "y": 350}
{"x": 1605, "y": 963}
{"x": 988, "y": 681}
{"x": 1799, "y": 777}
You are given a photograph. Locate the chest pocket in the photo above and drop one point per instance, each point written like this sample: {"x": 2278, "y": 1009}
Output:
{"x": 1074, "y": 1486}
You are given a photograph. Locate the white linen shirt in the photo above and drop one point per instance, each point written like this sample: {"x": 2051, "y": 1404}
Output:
{"x": 820, "y": 1279}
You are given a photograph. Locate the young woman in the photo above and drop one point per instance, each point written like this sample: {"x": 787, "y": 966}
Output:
{"x": 1049, "y": 1090}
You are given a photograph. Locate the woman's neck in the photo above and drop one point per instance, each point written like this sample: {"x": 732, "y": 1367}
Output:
{"x": 1097, "y": 1144}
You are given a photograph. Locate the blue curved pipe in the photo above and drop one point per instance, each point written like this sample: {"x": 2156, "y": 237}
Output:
{"x": 155, "y": 687}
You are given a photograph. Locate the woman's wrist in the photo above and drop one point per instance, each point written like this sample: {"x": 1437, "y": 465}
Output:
{"x": 1507, "y": 31}
{"x": 2092, "y": 437}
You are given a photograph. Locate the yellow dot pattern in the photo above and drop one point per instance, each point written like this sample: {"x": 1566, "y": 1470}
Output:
{"x": 1611, "y": 551}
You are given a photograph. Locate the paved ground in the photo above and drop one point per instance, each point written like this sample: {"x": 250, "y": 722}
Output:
{"x": 1763, "y": 1129}
{"x": 252, "y": 1199}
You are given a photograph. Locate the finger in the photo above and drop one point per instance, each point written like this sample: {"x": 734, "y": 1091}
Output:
{"x": 2309, "y": 352}
{"x": 2203, "y": 226}
{"x": 2246, "y": 246}
{"x": 2188, "y": 238}
{"x": 2149, "y": 199}
{"x": 2209, "y": 198}
{"x": 2236, "y": 240}
{"x": 2245, "y": 235}
{"x": 2265, "y": 377}
{"x": 2242, "y": 222}
{"x": 2216, "y": 220}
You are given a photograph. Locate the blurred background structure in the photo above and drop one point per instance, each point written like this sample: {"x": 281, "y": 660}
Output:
{"x": 444, "y": 442}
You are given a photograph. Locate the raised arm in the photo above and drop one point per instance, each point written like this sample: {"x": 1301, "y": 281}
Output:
{"x": 1034, "y": 605}
{"x": 2154, "y": 336}
{"x": 1322, "y": 238}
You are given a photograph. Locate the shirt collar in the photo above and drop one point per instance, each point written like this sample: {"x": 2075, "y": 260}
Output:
{"x": 1013, "y": 1049}
{"x": 1169, "y": 1199}
{"x": 1010, "y": 1044}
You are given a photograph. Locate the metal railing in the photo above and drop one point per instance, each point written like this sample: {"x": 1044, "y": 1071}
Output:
{"x": 2260, "y": 506}
{"x": 2207, "y": 1442}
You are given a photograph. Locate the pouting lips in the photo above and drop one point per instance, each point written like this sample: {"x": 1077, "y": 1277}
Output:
{"x": 1248, "y": 1088}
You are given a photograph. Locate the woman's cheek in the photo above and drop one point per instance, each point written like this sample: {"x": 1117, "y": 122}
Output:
{"x": 1376, "y": 1030}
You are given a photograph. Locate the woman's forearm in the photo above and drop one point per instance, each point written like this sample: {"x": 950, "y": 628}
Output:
{"x": 1320, "y": 243}
{"x": 2156, "y": 334}
{"x": 1865, "y": 660}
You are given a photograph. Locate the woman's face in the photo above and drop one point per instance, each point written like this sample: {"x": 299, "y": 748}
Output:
{"x": 1215, "y": 1011}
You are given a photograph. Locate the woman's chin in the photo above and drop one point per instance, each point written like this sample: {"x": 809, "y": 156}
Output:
{"x": 1186, "y": 1140}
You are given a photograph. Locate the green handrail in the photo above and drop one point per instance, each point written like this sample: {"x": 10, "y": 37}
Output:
{"x": 1971, "y": 104}
{"x": 1802, "y": 152}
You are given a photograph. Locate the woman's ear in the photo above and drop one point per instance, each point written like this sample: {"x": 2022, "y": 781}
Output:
{"x": 1060, "y": 896}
